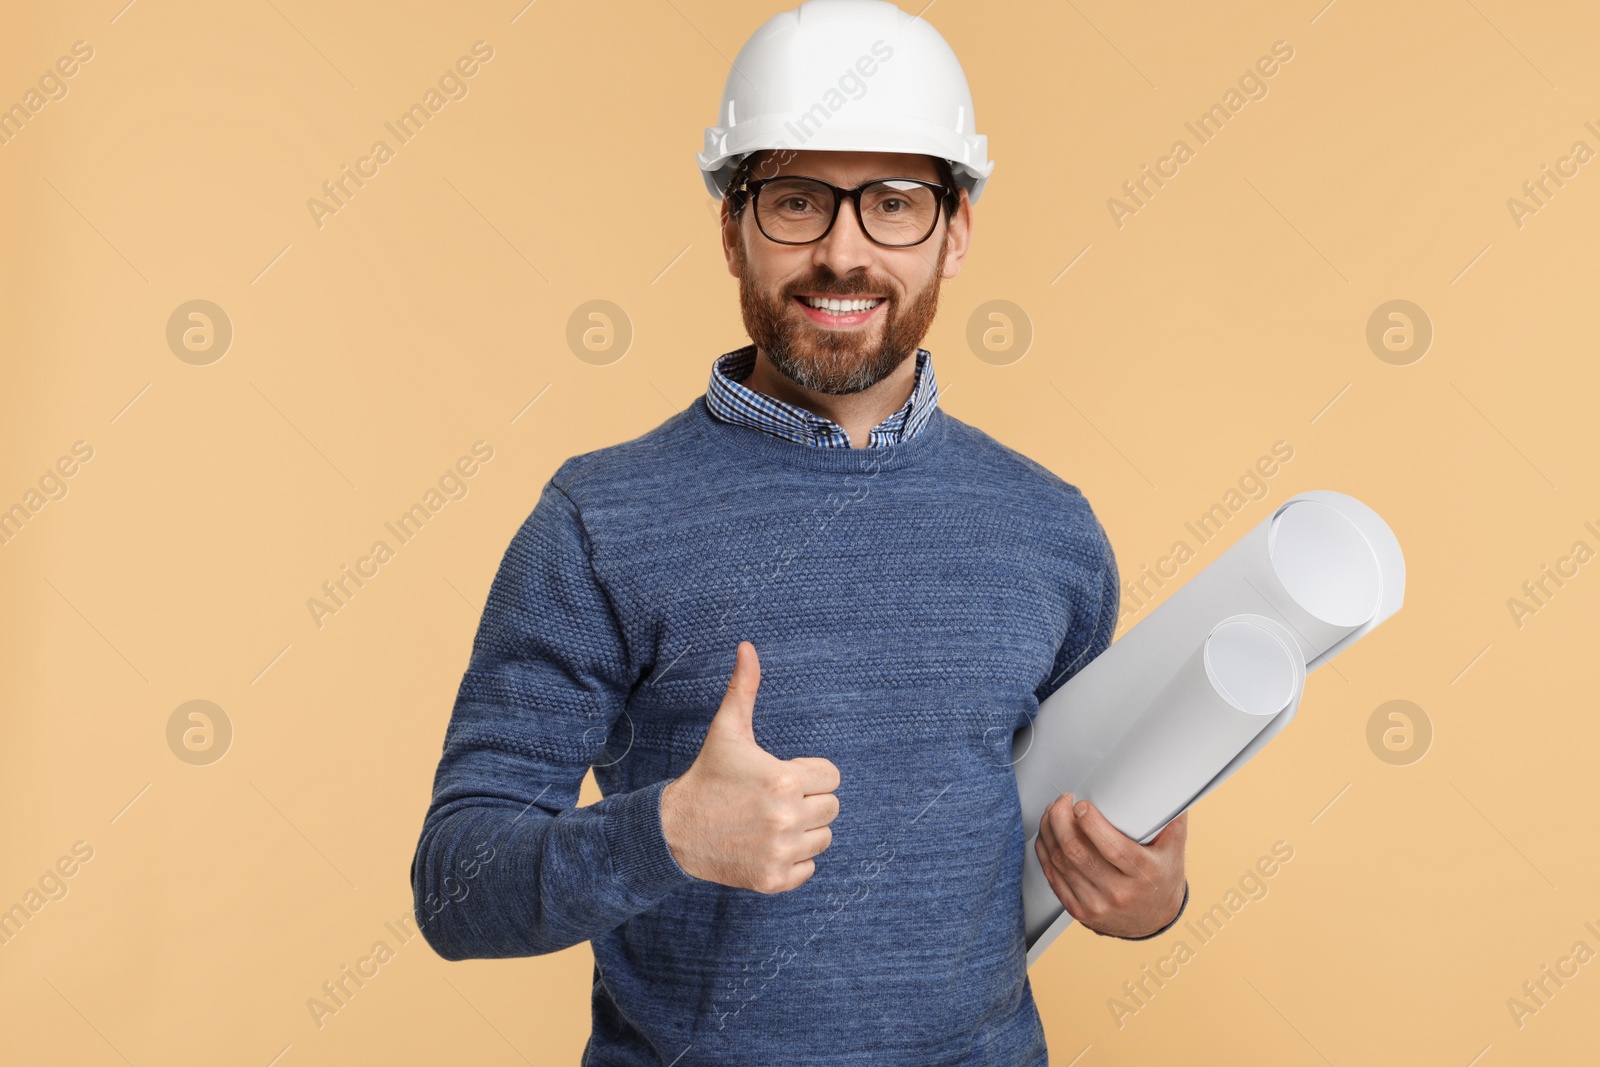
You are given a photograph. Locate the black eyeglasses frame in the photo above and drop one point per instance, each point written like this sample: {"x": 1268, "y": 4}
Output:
{"x": 752, "y": 190}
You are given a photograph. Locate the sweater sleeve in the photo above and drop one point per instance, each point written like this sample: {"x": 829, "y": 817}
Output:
{"x": 506, "y": 865}
{"x": 1095, "y": 610}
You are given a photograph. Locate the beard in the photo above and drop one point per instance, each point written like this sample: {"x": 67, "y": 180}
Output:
{"x": 836, "y": 362}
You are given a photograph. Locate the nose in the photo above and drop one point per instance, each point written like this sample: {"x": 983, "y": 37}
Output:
{"x": 846, "y": 248}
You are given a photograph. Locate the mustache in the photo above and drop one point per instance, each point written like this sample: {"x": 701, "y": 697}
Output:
{"x": 839, "y": 287}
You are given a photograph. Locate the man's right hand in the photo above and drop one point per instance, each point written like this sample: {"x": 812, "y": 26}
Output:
{"x": 741, "y": 816}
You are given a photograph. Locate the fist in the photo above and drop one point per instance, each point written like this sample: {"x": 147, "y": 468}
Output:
{"x": 740, "y": 816}
{"x": 1106, "y": 880}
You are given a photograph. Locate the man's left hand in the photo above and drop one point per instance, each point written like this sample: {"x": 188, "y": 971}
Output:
{"x": 1105, "y": 879}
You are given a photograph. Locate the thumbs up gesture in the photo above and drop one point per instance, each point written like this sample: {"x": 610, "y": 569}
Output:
{"x": 740, "y": 816}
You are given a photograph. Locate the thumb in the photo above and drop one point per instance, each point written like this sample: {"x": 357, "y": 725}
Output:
{"x": 736, "y": 716}
{"x": 1174, "y": 835}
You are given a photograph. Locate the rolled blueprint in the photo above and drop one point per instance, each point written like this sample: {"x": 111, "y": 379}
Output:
{"x": 1246, "y": 672}
{"x": 1193, "y": 691}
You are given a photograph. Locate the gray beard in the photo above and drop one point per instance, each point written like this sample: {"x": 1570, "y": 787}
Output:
{"x": 836, "y": 363}
{"x": 832, "y": 365}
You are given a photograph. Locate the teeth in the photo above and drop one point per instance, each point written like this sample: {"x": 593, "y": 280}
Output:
{"x": 842, "y": 307}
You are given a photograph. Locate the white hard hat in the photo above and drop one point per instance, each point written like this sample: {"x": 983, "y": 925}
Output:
{"x": 847, "y": 76}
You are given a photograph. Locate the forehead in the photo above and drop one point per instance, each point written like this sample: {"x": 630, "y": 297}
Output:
{"x": 846, "y": 169}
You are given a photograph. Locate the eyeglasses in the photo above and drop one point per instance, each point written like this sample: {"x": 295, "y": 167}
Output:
{"x": 893, "y": 212}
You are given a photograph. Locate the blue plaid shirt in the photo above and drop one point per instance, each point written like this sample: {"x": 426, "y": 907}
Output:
{"x": 730, "y": 401}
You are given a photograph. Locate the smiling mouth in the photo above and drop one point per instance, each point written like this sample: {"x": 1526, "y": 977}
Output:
{"x": 839, "y": 310}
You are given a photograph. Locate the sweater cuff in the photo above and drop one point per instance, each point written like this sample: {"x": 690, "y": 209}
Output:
{"x": 639, "y": 851}
{"x": 1165, "y": 928}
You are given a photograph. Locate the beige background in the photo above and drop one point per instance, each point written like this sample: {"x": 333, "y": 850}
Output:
{"x": 1228, "y": 313}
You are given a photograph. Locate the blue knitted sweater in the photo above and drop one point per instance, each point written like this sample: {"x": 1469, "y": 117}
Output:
{"x": 911, "y": 605}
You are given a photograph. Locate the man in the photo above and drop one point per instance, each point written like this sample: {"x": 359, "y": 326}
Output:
{"x": 818, "y": 859}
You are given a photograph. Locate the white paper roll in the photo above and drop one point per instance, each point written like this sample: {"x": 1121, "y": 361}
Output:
{"x": 1248, "y": 670}
{"x": 1160, "y": 718}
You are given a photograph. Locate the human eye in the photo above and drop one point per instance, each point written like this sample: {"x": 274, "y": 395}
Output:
{"x": 897, "y": 198}
{"x": 796, "y": 204}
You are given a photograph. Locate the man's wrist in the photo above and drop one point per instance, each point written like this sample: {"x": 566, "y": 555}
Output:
{"x": 671, "y": 818}
{"x": 1182, "y": 906}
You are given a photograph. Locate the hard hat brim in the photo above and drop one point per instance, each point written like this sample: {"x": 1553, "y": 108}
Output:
{"x": 727, "y": 147}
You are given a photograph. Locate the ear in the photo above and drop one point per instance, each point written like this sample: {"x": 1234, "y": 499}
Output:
{"x": 958, "y": 236}
{"x": 730, "y": 239}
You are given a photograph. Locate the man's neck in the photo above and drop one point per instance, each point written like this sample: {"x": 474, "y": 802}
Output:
{"x": 856, "y": 413}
